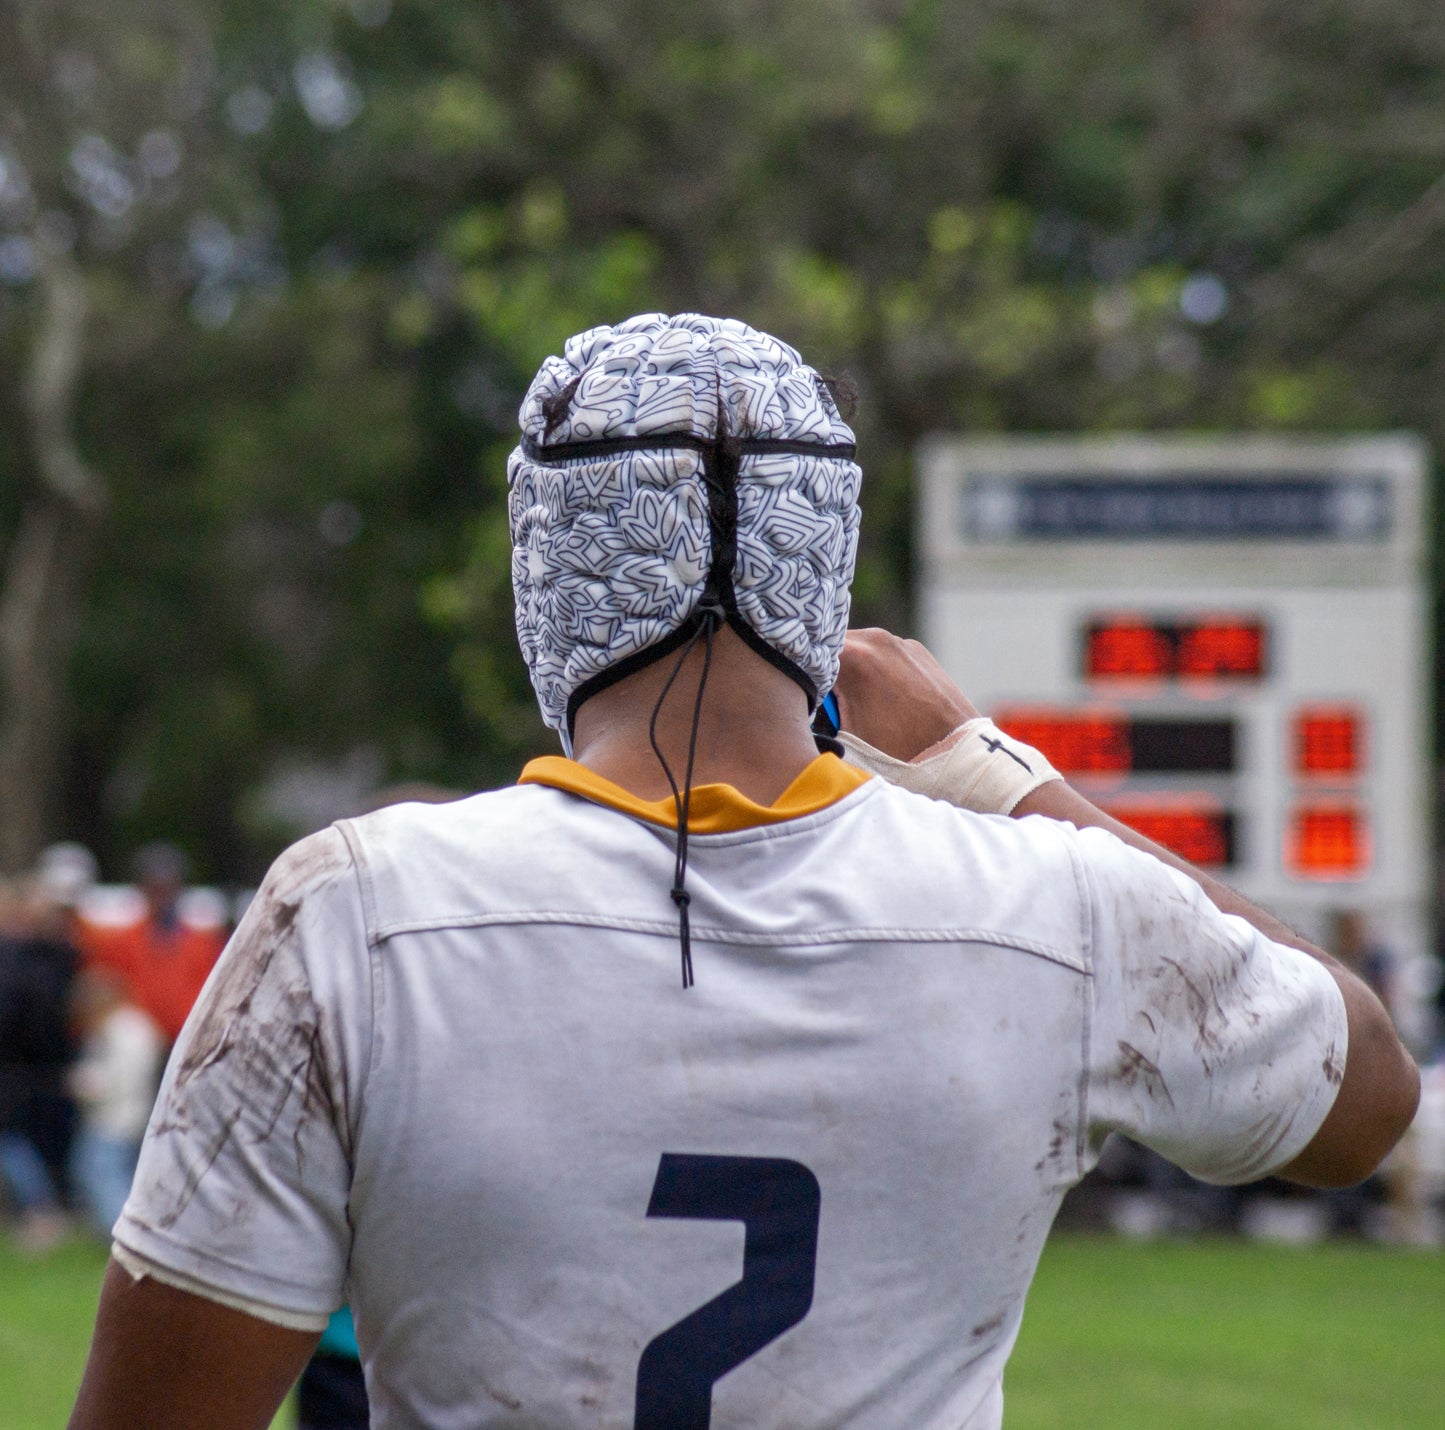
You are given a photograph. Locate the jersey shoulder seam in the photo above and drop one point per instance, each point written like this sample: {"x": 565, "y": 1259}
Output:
{"x": 706, "y": 933}
{"x": 362, "y": 864}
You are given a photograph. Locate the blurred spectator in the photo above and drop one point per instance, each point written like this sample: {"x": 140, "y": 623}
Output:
{"x": 114, "y": 1083}
{"x": 1364, "y": 955}
{"x": 65, "y": 873}
{"x": 1429, "y": 1130}
{"x": 37, "y": 965}
{"x": 331, "y": 1394}
{"x": 163, "y": 957}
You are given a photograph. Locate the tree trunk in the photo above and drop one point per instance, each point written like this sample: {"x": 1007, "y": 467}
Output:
{"x": 44, "y": 572}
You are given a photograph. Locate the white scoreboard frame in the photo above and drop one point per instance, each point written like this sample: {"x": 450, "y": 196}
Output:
{"x": 1324, "y": 540}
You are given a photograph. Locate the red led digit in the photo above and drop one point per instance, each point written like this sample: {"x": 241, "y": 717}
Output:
{"x": 1127, "y": 649}
{"x": 1209, "y": 648}
{"x": 1329, "y": 741}
{"x": 1221, "y": 649}
{"x": 1327, "y": 841}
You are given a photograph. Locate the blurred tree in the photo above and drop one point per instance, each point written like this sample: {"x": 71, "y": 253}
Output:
{"x": 274, "y": 277}
{"x": 254, "y": 512}
{"x": 89, "y": 148}
{"x": 1018, "y": 215}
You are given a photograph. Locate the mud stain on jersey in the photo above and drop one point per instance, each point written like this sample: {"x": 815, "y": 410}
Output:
{"x": 509, "y": 1401}
{"x": 1188, "y": 972}
{"x": 1134, "y": 1067}
{"x": 250, "y": 1064}
{"x": 213, "y": 1038}
{"x": 988, "y": 1327}
{"x": 601, "y": 1379}
{"x": 1263, "y": 1136}
{"x": 1061, "y": 1145}
{"x": 1201, "y": 995}
{"x": 1334, "y": 1069}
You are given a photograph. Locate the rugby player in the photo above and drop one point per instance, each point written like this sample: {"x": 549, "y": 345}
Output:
{"x": 702, "y": 1077}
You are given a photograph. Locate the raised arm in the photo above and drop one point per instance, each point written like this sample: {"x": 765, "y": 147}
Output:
{"x": 895, "y": 696}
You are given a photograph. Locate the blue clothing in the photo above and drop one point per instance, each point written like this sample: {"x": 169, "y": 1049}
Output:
{"x": 24, "y": 1173}
{"x": 102, "y": 1167}
{"x": 339, "y": 1337}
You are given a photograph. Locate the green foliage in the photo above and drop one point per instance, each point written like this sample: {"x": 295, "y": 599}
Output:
{"x": 1023, "y": 216}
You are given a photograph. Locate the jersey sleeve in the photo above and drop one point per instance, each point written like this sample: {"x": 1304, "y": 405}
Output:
{"x": 245, "y": 1170}
{"x": 1210, "y": 1043}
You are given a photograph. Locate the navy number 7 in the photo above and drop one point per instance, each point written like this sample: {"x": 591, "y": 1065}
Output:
{"x": 777, "y": 1202}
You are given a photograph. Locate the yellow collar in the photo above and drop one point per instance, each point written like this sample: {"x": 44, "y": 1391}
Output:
{"x": 712, "y": 809}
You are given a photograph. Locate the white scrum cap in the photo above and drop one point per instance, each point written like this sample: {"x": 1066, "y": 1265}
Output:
{"x": 671, "y": 470}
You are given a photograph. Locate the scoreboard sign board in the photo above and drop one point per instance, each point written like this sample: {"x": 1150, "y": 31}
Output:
{"x": 1222, "y": 642}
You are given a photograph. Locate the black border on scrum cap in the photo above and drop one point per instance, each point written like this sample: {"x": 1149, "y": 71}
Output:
{"x": 721, "y": 461}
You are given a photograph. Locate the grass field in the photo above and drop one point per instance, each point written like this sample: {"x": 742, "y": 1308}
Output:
{"x": 47, "y": 1309}
{"x": 1221, "y": 1333}
{"x": 1117, "y": 1334}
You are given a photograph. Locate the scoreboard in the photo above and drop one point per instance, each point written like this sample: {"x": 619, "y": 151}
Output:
{"x": 1222, "y": 642}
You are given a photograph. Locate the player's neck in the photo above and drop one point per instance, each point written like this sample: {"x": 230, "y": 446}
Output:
{"x": 753, "y": 733}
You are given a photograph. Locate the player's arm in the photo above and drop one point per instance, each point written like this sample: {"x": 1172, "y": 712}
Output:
{"x": 166, "y": 1359}
{"x": 893, "y": 694}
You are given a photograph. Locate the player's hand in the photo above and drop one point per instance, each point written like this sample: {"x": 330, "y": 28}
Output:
{"x": 895, "y": 695}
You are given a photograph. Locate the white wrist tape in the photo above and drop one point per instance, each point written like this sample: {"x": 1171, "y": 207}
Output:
{"x": 984, "y": 770}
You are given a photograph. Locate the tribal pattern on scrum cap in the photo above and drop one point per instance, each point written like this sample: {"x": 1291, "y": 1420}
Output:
{"x": 612, "y": 549}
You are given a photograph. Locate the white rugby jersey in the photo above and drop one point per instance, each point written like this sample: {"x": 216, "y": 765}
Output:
{"x": 447, "y": 1069}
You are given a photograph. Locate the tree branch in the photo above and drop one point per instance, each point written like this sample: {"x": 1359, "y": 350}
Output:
{"x": 50, "y": 389}
{"x": 43, "y": 568}
{"x": 1353, "y": 262}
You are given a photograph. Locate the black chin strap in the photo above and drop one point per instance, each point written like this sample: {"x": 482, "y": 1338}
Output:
{"x": 711, "y": 620}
